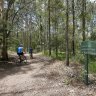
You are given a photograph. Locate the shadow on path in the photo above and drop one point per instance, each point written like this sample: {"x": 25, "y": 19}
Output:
{"x": 10, "y": 67}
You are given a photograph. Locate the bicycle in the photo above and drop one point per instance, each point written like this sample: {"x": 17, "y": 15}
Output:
{"x": 22, "y": 59}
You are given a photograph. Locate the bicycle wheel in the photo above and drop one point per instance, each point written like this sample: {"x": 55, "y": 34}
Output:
{"x": 17, "y": 61}
{"x": 24, "y": 60}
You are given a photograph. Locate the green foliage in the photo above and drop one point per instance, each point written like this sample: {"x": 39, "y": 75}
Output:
{"x": 78, "y": 58}
{"x": 93, "y": 36}
{"x": 45, "y": 52}
{"x": 92, "y": 66}
{"x": 38, "y": 48}
{"x": 13, "y": 44}
{"x": 61, "y": 55}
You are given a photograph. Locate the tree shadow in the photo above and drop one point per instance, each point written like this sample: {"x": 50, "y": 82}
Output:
{"x": 50, "y": 76}
{"x": 11, "y": 68}
{"x": 46, "y": 63}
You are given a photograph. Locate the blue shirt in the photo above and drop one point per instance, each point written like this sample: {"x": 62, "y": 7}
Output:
{"x": 30, "y": 50}
{"x": 20, "y": 50}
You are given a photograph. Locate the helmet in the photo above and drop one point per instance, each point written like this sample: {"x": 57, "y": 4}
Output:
{"x": 21, "y": 45}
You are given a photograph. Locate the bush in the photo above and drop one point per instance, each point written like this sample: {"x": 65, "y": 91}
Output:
{"x": 92, "y": 66}
{"x": 78, "y": 58}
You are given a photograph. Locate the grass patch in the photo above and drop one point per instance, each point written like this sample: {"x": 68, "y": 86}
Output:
{"x": 77, "y": 58}
{"x": 61, "y": 55}
{"x": 92, "y": 66}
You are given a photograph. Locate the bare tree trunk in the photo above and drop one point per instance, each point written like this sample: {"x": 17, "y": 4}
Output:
{"x": 1, "y": 8}
{"x": 40, "y": 34}
{"x": 4, "y": 48}
{"x": 23, "y": 39}
{"x": 1, "y": 17}
{"x": 45, "y": 29}
{"x": 56, "y": 31}
{"x": 56, "y": 44}
{"x": 83, "y": 18}
{"x": 67, "y": 31}
{"x": 73, "y": 37}
{"x": 49, "y": 27}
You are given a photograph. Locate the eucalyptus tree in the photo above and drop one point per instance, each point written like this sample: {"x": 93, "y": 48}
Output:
{"x": 92, "y": 22}
{"x": 6, "y": 11}
{"x": 14, "y": 12}
{"x": 49, "y": 34}
{"x": 56, "y": 27}
{"x": 73, "y": 37}
{"x": 67, "y": 33}
{"x": 56, "y": 19}
{"x": 40, "y": 12}
{"x": 26, "y": 20}
{"x": 45, "y": 24}
{"x": 83, "y": 18}
{"x": 1, "y": 8}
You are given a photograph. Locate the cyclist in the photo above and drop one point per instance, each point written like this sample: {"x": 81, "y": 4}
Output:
{"x": 20, "y": 51}
{"x": 31, "y": 52}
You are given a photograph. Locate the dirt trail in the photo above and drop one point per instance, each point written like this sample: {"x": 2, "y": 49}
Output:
{"x": 42, "y": 76}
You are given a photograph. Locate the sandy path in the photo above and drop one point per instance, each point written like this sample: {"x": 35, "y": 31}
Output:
{"x": 42, "y": 76}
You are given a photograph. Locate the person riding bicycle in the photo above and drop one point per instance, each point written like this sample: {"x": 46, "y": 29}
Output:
{"x": 31, "y": 52}
{"x": 20, "y": 51}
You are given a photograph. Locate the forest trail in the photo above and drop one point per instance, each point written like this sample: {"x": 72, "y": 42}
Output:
{"x": 43, "y": 76}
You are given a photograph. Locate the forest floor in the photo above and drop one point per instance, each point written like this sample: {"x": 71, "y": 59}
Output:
{"x": 43, "y": 76}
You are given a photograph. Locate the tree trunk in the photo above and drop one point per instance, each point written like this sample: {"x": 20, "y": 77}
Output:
{"x": 56, "y": 31}
{"x": 49, "y": 28}
{"x": 45, "y": 29}
{"x": 40, "y": 34}
{"x": 1, "y": 17}
{"x": 5, "y": 18}
{"x": 83, "y": 18}
{"x": 67, "y": 31}
{"x": 73, "y": 37}
{"x": 4, "y": 48}
{"x": 1, "y": 8}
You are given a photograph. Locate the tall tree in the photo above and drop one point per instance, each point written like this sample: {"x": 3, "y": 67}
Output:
{"x": 49, "y": 28}
{"x": 56, "y": 25}
{"x": 1, "y": 8}
{"x": 67, "y": 32}
{"x": 5, "y": 31}
{"x": 73, "y": 37}
{"x": 83, "y": 19}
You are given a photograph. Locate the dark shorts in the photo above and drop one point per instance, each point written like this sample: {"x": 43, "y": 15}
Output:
{"x": 20, "y": 53}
